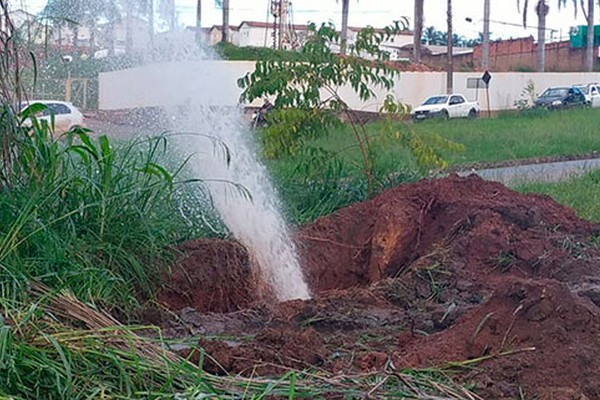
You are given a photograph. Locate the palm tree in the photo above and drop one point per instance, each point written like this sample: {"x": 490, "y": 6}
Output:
{"x": 344, "y": 31}
{"x": 432, "y": 36}
{"x": 589, "y": 16}
{"x": 199, "y": 21}
{"x": 418, "y": 30}
{"x": 225, "y": 28}
{"x": 541, "y": 10}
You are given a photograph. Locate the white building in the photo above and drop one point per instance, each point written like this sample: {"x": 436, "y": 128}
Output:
{"x": 261, "y": 34}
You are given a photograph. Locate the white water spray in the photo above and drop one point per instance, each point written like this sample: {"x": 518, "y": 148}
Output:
{"x": 254, "y": 220}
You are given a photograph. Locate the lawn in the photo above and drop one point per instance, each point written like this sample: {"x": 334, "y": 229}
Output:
{"x": 505, "y": 138}
{"x": 316, "y": 183}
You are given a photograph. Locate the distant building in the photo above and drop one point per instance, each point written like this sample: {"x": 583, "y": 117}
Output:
{"x": 262, "y": 34}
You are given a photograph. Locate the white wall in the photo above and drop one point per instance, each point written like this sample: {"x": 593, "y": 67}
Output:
{"x": 215, "y": 83}
{"x": 255, "y": 36}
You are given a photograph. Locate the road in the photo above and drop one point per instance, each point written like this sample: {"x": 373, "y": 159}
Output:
{"x": 114, "y": 130}
{"x": 543, "y": 172}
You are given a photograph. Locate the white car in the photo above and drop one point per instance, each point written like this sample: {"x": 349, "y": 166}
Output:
{"x": 592, "y": 93}
{"x": 446, "y": 106}
{"x": 66, "y": 115}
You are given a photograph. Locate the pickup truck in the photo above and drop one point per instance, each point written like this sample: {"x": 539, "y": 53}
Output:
{"x": 446, "y": 106}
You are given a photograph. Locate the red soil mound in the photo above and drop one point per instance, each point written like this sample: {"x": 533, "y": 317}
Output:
{"x": 480, "y": 270}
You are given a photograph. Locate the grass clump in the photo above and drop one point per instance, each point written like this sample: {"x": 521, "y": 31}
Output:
{"x": 580, "y": 193}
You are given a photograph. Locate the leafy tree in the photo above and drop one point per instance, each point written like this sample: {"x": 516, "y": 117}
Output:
{"x": 307, "y": 94}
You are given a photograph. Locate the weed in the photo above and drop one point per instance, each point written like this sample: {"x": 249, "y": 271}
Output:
{"x": 504, "y": 260}
{"x": 436, "y": 278}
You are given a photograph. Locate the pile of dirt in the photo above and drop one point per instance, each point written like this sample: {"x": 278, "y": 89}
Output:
{"x": 442, "y": 270}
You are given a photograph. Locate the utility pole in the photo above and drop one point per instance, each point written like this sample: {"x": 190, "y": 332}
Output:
{"x": 283, "y": 13}
{"x": 485, "y": 48}
{"x": 450, "y": 66}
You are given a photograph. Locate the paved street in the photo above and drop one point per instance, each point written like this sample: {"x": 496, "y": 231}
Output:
{"x": 544, "y": 172}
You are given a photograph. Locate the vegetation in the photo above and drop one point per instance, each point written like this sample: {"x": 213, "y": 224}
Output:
{"x": 302, "y": 120}
{"x": 509, "y": 137}
{"x": 228, "y": 51}
{"x": 581, "y": 193}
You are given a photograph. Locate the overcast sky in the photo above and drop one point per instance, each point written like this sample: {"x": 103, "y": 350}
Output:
{"x": 383, "y": 12}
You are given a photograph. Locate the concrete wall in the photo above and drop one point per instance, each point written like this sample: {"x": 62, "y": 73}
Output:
{"x": 215, "y": 83}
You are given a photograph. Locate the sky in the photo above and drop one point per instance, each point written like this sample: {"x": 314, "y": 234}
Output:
{"x": 379, "y": 13}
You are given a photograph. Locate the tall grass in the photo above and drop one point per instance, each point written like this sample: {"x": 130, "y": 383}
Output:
{"x": 56, "y": 347}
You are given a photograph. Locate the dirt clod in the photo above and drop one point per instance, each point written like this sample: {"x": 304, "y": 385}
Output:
{"x": 449, "y": 270}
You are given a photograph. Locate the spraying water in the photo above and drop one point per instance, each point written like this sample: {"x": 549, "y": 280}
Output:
{"x": 254, "y": 219}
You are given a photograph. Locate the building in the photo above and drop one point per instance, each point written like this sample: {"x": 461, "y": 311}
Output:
{"x": 263, "y": 34}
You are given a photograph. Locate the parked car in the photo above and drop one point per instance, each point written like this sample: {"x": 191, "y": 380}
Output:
{"x": 446, "y": 106}
{"x": 561, "y": 97}
{"x": 591, "y": 93}
{"x": 66, "y": 115}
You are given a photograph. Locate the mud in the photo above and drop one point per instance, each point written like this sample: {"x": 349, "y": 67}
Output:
{"x": 451, "y": 270}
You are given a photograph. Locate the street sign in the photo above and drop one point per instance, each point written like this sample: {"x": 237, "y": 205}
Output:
{"x": 487, "y": 77}
{"x": 475, "y": 83}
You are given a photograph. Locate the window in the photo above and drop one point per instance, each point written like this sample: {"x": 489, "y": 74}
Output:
{"x": 58, "y": 108}
{"x": 436, "y": 100}
{"x": 456, "y": 100}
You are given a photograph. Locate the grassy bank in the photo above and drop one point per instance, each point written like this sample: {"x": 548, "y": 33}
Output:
{"x": 581, "y": 193}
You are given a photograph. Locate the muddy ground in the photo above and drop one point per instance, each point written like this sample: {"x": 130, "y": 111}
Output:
{"x": 439, "y": 271}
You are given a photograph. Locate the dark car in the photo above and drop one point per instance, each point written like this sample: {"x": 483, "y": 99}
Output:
{"x": 561, "y": 97}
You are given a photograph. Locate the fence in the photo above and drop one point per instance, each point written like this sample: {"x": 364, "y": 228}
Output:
{"x": 82, "y": 92}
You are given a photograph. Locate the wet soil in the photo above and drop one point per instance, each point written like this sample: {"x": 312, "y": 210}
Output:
{"x": 448, "y": 270}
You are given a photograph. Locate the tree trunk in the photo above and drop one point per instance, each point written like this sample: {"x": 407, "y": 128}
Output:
{"x": 418, "y": 30}
{"x": 450, "y": 66}
{"x": 129, "y": 27}
{"x": 199, "y": 22}
{"x": 542, "y": 11}
{"x": 111, "y": 37}
{"x": 225, "y": 28}
{"x": 75, "y": 36}
{"x": 92, "y": 37}
{"x": 344, "y": 31}
{"x": 485, "y": 47}
{"x": 151, "y": 22}
{"x": 590, "y": 37}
